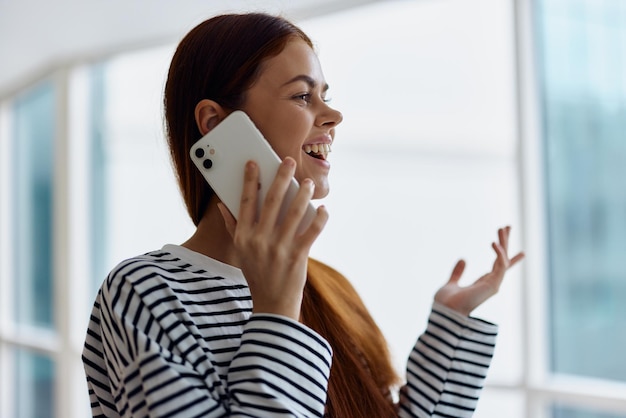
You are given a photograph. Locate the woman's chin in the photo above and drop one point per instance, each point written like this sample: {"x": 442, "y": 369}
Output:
{"x": 320, "y": 193}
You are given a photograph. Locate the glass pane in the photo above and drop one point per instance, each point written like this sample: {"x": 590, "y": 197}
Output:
{"x": 34, "y": 385}
{"x": 569, "y": 412}
{"x": 585, "y": 120}
{"x": 34, "y": 114}
{"x": 98, "y": 186}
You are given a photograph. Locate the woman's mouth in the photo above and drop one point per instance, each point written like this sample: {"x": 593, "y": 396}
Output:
{"x": 319, "y": 151}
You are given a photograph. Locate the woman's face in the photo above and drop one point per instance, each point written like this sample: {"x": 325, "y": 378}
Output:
{"x": 288, "y": 105}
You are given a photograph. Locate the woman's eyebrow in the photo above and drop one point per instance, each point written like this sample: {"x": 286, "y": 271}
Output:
{"x": 308, "y": 80}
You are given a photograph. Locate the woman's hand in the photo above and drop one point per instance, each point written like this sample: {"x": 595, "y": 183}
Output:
{"x": 466, "y": 299}
{"x": 274, "y": 257}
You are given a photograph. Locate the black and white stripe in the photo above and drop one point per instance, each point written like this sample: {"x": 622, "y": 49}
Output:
{"x": 172, "y": 335}
{"x": 448, "y": 365}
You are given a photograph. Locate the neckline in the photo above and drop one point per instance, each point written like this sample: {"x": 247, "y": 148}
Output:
{"x": 204, "y": 261}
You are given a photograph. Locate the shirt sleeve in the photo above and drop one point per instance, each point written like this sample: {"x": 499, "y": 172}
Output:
{"x": 448, "y": 365}
{"x": 140, "y": 365}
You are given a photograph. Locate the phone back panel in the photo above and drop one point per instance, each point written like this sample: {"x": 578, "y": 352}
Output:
{"x": 221, "y": 156}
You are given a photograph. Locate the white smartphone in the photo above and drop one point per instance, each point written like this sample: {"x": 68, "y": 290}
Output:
{"x": 221, "y": 156}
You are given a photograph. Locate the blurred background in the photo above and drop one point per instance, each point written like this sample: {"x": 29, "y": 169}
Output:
{"x": 460, "y": 116}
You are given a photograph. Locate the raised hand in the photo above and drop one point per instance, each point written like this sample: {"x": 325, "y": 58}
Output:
{"x": 274, "y": 257}
{"x": 466, "y": 299}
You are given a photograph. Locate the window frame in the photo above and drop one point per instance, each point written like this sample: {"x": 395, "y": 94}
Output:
{"x": 6, "y": 306}
{"x": 71, "y": 291}
{"x": 543, "y": 388}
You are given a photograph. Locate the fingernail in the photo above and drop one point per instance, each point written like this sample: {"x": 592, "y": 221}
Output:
{"x": 250, "y": 165}
{"x": 289, "y": 162}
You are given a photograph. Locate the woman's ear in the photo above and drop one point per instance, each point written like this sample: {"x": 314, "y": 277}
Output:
{"x": 208, "y": 114}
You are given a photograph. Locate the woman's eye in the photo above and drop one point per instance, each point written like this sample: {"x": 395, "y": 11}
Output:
{"x": 308, "y": 98}
{"x": 305, "y": 97}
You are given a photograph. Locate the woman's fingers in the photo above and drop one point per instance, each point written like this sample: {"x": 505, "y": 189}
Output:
{"x": 249, "y": 195}
{"x": 518, "y": 257}
{"x": 274, "y": 200}
{"x": 297, "y": 209}
{"x": 273, "y": 256}
{"x": 276, "y": 194}
{"x": 466, "y": 299}
{"x": 503, "y": 237}
{"x": 308, "y": 237}
{"x": 457, "y": 272}
{"x": 500, "y": 265}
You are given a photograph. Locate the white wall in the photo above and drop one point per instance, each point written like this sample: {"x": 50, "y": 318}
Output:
{"x": 36, "y": 35}
{"x": 425, "y": 164}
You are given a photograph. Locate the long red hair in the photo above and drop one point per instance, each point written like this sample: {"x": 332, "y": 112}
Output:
{"x": 220, "y": 59}
{"x": 361, "y": 377}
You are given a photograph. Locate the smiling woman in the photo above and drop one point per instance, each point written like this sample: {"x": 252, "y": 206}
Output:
{"x": 238, "y": 320}
{"x": 287, "y": 103}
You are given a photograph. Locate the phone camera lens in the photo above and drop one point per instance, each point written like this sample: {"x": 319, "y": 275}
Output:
{"x": 199, "y": 152}
{"x": 207, "y": 163}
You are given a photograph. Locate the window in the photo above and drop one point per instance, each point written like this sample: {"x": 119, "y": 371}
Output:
{"x": 49, "y": 168}
{"x": 32, "y": 197}
{"x": 29, "y": 309}
{"x": 569, "y": 412}
{"x": 34, "y": 376}
{"x": 580, "y": 95}
{"x": 584, "y": 94}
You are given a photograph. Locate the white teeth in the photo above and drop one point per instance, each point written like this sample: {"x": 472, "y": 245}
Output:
{"x": 321, "y": 149}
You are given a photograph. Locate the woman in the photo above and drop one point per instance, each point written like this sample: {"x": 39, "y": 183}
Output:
{"x": 238, "y": 321}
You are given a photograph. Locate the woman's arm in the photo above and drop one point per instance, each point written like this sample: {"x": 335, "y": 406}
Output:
{"x": 448, "y": 365}
{"x": 144, "y": 357}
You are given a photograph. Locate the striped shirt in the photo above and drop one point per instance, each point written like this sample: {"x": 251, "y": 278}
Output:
{"x": 172, "y": 334}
